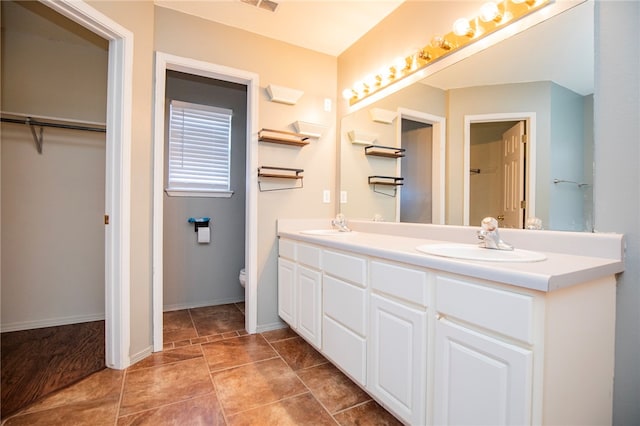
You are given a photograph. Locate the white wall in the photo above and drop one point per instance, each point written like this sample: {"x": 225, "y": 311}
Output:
{"x": 52, "y": 203}
{"x": 568, "y": 145}
{"x": 617, "y": 182}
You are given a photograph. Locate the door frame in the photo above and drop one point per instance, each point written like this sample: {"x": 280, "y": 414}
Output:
{"x": 117, "y": 174}
{"x": 438, "y": 149}
{"x": 530, "y": 156}
{"x": 164, "y": 62}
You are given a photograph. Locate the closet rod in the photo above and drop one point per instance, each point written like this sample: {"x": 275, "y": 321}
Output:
{"x": 38, "y": 139}
{"x": 32, "y": 122}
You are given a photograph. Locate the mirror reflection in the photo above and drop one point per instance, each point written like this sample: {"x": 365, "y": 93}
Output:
{"x": 505, "y": 132}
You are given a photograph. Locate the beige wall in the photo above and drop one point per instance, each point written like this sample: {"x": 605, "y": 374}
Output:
{"x": 284, "y": 65}
{"x": 137, "y": 17}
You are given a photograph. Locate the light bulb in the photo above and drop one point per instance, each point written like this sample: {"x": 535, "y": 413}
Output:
{"x": 461, "y": 27}
{"x": 348, "y": 94}
{"x": 489, "y": 12}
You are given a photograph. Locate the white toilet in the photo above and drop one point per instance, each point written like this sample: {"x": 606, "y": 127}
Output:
{"x": 242, "y": 277}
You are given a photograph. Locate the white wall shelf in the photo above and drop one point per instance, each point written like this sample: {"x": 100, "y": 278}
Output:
{"x": 283, "y": 95}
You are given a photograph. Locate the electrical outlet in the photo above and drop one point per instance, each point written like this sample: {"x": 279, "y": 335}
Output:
{"x": 327, "y": 104}
{"x": 343, "y": 197}
{"x": 326, "y": 196}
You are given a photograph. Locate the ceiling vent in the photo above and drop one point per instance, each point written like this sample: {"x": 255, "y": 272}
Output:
{"x": 269, "y": 5}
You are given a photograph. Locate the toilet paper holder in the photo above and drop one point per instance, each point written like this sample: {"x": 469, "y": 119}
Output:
{"x": 199, "y": 222}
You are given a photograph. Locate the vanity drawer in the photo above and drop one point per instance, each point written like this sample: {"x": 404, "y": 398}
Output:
{"x": 504, "y": 312}
{"x": 345, "y": 303}
{"x": 309, "y": 255}
{"x": 345, "y": 266}
{"x": 287, "y": 248}
{"x": 346, "y": 349}
{"x": 405, "y": 283}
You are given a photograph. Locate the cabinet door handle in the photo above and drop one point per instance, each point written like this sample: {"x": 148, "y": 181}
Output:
{"x": 439, "y": 317}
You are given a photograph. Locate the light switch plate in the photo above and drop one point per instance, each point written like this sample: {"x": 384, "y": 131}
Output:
{"x": 326, "y": 196}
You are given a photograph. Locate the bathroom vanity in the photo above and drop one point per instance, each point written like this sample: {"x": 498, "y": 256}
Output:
{"x": 440, "y": 340}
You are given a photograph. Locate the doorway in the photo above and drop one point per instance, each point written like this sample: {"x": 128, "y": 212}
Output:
{"x": 166, "y": 62}
{"x": 498, "y": 176}
{"x": 204, "y": 273}
{"x": 421, "y": 198}
{"x": 417, "y": 164}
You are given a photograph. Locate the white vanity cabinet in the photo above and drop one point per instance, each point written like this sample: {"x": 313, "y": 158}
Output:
{"x": 300, "y": 289}
{"x": 483, "y": 359}
{"x": 443, "y": 346}
{"x": 397, "y": 365}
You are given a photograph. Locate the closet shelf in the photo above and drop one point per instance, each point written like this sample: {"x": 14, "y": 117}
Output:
{"x": 384, "y": 151}
{"x": 282, "y": 137}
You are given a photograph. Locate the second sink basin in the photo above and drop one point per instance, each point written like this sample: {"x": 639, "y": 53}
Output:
{"x": 473, "y": 252}
{"x": 323, "y": 232}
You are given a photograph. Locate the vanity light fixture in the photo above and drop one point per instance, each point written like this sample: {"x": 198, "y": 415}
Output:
{"x": 441, "y": 42}
{"x": 491, "y": 17}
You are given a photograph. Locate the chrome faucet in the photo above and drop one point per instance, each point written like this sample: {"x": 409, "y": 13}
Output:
{"x": 489, "y": 236}
{"x": 340, "y": 222}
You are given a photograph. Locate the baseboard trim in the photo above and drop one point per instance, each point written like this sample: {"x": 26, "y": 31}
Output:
{"x": 200, "y": 304}
{"x": 273, "y": 326}
{"x": 140, "y": 355}
{"x": 51, "y": 322}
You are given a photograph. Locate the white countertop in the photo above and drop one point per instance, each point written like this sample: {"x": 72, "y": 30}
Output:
{"x": 559, "y": 270}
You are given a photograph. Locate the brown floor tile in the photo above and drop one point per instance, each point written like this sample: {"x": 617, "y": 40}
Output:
{"x": 240, "y": 305}
{"x": 152, "y": 387}
{"x": 280, "y": 334}
{"x": 299, "y": 410}
{"x": 168, "y": 357}
{"x": 298, "y": 353}
{"x": 217, "y": 319}
{"x": 203, "y": 410}
{"x": 252, "y": 385}
{"x": 177, "y": 326}
{"x": 237, "y": 351}
{"x": 332, "y": 388}
{"x": 369, "y": 413}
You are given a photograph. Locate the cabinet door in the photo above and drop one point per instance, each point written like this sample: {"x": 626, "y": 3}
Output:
{"x": 309, "y": 304}
{"x": 397, "y": 369}
{"x": 480, "y": 380}
{"x": 286, "y": 291}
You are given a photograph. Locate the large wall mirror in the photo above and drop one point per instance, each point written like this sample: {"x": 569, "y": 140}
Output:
{"x": 505, "y": 132}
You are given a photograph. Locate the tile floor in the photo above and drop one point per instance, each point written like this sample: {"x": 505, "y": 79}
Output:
{"x": 212, "y": 373}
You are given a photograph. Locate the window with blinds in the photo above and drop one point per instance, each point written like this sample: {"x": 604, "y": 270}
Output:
{"x": 199, "y": 157}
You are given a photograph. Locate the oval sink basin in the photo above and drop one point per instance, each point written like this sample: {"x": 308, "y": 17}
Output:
{"x": 473, "y": 252}
{"x": 323, "y": 232}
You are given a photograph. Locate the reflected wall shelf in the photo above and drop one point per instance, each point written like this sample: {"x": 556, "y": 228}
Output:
{"x": 282, "y": 137}
{"x": 279, "y": 175}
{"x": 384, "y": 151}
{"x": 384, "y": 116}
{"x": 386, "y": 181}
{"x": 306, "y": 128}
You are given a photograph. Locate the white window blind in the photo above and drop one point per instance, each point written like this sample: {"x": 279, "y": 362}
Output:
{"x": 199, "y": 148}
